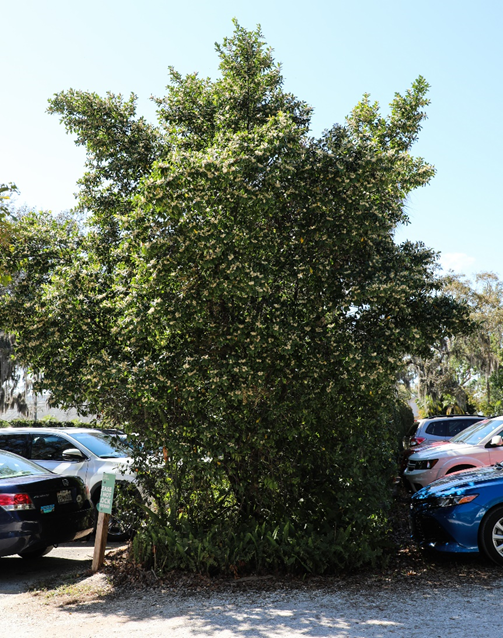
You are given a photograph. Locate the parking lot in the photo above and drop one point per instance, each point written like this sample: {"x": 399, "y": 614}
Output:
{"x": 18, "y": 575}
{"x": 33, "y": 604}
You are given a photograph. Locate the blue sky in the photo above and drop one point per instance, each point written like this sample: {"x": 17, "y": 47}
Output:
{"x": 331, "y": 51}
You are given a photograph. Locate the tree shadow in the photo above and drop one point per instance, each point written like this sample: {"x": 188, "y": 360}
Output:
{"x": 69, "y": 560}
{"x": 316, "y": 614}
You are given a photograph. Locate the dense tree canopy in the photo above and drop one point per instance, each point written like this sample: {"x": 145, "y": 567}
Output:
{"x": 237, "y": 297}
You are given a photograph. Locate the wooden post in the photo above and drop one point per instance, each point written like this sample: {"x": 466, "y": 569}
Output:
{"x": 100, "y": 543}
{"x": 104, "y": 509}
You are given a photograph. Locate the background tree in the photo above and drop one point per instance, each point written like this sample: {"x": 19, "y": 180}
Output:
{"x": 482, "y": 351}
{"x": 238, "y": 299}
{"x": 462, "y": 372}
{"x": 6, "y": 193}
{"x": 13, "y": 381}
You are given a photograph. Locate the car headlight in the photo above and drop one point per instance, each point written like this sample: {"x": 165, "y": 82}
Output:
{"x": 454, "y": 499}
{"x": 424, "y": 465}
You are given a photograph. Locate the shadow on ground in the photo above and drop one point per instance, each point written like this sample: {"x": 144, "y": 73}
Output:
{"x": 18, "y": 575}
{"x": 316, "y": 611}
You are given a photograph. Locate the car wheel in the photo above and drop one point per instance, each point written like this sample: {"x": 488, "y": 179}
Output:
{"x": 118, "y": 529}
{"x": 38, "y": 553}
{"x": 491, "y": 535}
{"x": 125, "y": 511}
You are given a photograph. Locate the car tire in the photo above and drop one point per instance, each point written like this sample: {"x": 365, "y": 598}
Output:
{"x": 491, "y": 535}
{"x": 38, "y": 553}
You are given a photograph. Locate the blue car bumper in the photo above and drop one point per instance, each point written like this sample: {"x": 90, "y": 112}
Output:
{"x": 447, "y": 529}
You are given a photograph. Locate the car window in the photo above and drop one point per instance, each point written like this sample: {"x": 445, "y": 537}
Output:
{"x": 449, "y": 427}
{"x": 14, "y": 466}
{"x": 478, "y": 431}
{"x": 458, "y": 425}
{"x": 103, "y": 445}
{"x": 16, "y": 443}
{"x": 438, "y": 428}
{"x": 49, "y": 447}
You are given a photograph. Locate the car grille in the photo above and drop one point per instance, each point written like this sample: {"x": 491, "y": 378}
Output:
{"x": 427, "y": 530}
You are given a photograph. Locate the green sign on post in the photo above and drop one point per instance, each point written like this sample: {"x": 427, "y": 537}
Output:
{"x": 104, "y": 509}
{"x": 107, "y": 493}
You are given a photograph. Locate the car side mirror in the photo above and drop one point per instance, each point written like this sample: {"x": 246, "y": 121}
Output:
{"x": 73, "y": 454}
{"x": 496, "y": 441}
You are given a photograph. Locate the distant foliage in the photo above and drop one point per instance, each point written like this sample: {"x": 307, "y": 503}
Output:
{"x": 463, "y": 371}
{"x": 46, "y": 422}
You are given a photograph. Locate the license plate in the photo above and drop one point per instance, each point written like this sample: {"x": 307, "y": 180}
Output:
{"x": 47, "y": 509}
{"x": 64, "y": 496}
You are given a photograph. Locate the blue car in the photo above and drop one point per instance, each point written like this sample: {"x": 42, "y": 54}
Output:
{"x": 462, "y": 512}
{"x": 39, "y": 509}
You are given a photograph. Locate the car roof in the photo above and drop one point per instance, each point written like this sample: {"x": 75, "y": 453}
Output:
{"x": 39, "y": 430}
{"x": 456, "y": 416}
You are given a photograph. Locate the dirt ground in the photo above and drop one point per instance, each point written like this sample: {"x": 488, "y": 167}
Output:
{"x": 416, "y": 596}
{"x": 90, "y": 606}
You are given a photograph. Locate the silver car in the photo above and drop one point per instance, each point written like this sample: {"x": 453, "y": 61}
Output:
{"x": 480, "y": 444}
{"x": 82, "y": 452}
{"x": 439, "y": 428}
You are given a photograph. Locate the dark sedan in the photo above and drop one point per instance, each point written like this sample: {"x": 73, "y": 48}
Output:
{"x": 40, "y": 509}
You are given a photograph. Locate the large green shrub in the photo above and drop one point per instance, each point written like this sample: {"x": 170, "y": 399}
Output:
{"x": 238, "y": 299}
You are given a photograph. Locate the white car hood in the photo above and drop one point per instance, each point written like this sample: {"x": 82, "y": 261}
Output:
{"x": 449, "y": 449}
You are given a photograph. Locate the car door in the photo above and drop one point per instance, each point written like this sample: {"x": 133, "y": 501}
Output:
{"x": 47, "y": 450}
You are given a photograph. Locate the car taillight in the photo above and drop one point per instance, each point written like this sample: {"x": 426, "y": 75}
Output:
{"x": 13, "y": 502}
{"x": 417, "y": 440}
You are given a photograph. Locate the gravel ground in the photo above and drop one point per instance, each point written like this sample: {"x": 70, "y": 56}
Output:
{"x": 416, "y": 596}
{"x": 93, "y": 610}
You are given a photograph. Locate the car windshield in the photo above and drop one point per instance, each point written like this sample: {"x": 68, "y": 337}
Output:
{"x": 478, "y": 431}
{"x": 105, "y": 446}
{"x": 12, "y": 466}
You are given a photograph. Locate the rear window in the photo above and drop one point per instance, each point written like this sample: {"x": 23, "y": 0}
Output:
{"x": 14, "y": 466}
{"x": 449, "y": 427}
